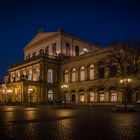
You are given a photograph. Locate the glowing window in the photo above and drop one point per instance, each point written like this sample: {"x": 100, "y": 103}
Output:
{"x": 73, "y": 75}
{"x": 82, "y": 73}
{"x": 50, "y": 76}
{"x": 113, "y": 97}
{"x": 92, "y": 97}
{"x": 82, "y": 97}
{"x": 91, "y": 72}
{"x": 50, "y": 95}
{"x": 102, "y": 97}
{"x": 66, "y": 76}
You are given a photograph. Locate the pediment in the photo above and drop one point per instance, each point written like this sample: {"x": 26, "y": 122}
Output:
{"x": 39, "y": 37}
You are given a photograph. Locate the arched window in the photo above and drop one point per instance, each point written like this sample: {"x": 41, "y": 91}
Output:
{"x": 66, "y": 79}
{"x": 50, "y": 76}
{"x": 50, "y": 95}
{"x": 76, "y": 50}
{"x": 67, "y": 49}
{"x": 82, "y": 73}
{"x": 54, "y": 49}
{"x": 73, "y": 76}
{"x": 91, "y": 72}
{"x": 113, "y": 70}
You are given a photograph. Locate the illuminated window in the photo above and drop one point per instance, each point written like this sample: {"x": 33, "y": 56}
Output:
{"x": 91, "y": 72}
{"x": 102, "y": 97}
{"x": 50, "y": 76}
{"x": 82, "y": 97}
{"x": 67, "y": 49}
{"x": 92, "y": 97}
{"x": 36, "y": 74}
{"x": 50, "y": 95}
{"x": 82, "y": 73}
{"x": 113, "y": 97}
{"x": 30, "y": 75}
{"x": 17, "y": 75}
{"x": 12, "y": 77}
{"x": 73, "y": 79}
{"x": 66, "y": 76}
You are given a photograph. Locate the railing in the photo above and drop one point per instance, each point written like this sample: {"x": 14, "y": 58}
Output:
{"x": 35, "y": 58}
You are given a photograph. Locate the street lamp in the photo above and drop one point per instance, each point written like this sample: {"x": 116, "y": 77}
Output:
{"x": 125, "y": 82}
{"x": 64, "y": 86}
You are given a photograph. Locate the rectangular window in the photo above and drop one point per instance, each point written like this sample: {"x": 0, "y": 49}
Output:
{"x": 102, "y": 97}
{"x": 113, "y": 97}
{"x": 66, "y": 78}
{"x": 50, "y": 96}
{"x": 92, "y": 97}
{"x": 36, "y": 74}
{"x": 113, "y": 70}
{"x": 91, "y": 73}
{"x": 101, "y": 72}
{"x": 82, "y": 97}
{"x": 82, "y": 78}
{"x": 73, "y": 77}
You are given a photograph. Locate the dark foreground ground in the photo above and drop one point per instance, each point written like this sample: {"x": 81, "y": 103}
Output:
{"x": 73, "y": 123}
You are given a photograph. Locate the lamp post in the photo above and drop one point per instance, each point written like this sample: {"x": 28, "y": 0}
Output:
{"x": 63, "y": 87}
{"x": 125, "y": 83}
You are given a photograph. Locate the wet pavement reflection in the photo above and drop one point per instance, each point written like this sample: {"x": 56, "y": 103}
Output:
{"x": 77, "y": 123}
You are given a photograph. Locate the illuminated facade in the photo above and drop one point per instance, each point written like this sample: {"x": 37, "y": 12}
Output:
{"x": 57, "y": 67}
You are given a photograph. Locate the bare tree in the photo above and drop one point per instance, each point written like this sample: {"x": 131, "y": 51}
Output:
{"x": 128, "y": 64}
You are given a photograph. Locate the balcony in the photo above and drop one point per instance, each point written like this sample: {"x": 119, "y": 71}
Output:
{"x": 45, "y": 56}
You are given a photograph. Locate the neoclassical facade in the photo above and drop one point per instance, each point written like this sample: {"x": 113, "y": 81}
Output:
{"x": 58, "y": 66}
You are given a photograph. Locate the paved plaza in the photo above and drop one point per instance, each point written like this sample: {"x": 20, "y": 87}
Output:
{"x": 70, "y": 123}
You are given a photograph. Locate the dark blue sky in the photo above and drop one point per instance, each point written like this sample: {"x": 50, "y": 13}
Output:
{"x": 98, "y": 21}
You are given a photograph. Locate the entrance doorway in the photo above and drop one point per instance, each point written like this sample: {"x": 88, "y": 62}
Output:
{"x": 73, "y": 98}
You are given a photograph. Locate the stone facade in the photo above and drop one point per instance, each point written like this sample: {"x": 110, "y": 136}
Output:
{"x": 58, "y": 67}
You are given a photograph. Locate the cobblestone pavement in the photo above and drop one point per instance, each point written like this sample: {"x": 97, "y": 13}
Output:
{"x": 76, "y": 123}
